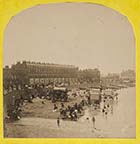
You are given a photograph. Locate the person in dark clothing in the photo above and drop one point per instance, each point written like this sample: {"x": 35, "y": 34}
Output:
{"x": 75, "y": 106}
{"x": 83, "y": 103}
{"x": 43, "y": 102}
{"x": 89, "y": 100}
{"x": 69, "y": 108}
{"x": 55, "y": 107}
{"x": 62, "y": 105}
{"x": 58, "y": 121}
{"x": 106, "y": 114}
{"x": 93, "y": 120}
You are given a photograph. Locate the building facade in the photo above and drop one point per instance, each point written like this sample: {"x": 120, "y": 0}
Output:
{"x": 30, "y": 73}
{"x": 39, "y": 73}
{"x": 128, "y": 75}
{"x": 111, "y": 78}
{"x": 89, "y": 76}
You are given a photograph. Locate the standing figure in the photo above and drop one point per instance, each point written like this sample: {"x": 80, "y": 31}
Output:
{"x": 106, "y": 114}
{"x": 55, "y": 108}
{"x": 93, "y": 120}
{"x": 103, "y": 111}
{"x": 58, "y": 121}
{"x": 62, "y": 105}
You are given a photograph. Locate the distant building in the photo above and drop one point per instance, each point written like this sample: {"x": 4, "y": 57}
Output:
{"x": 89, "y": 76}
{"x": 128, "y": 75}
{"x": 111, "y": 78}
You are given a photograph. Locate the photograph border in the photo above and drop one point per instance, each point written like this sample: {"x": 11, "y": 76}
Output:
{"x": 128, "y": 8}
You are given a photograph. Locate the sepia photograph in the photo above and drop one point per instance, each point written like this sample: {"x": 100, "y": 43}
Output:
{"x": 69, "y": 72}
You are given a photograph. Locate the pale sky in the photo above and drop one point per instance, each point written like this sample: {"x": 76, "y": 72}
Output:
{"x": 85, "y": 35}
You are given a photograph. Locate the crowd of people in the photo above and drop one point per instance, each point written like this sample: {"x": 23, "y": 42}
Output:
{"x": 14, "y": 112}
{"x": 71, "y": 112}
{"x": 106, "y": 104}
{"x": 67, "y": 111}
